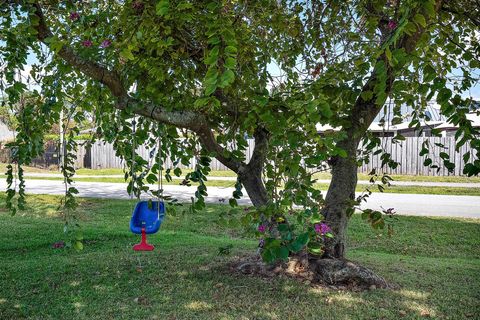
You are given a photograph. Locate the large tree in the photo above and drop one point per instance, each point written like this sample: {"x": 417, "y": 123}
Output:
{"x": 206, "y": 74}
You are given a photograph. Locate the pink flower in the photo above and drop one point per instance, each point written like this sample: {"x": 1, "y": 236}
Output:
{"x": 58, "y": 245}
{"x": 391, "y": 25}
{"x": 262, "y": 228}
{"x": 105, "y": 43}
{"x": 322, "y": 228}
{"x": 74, "y": 16}
{"x": 87, "y": 43}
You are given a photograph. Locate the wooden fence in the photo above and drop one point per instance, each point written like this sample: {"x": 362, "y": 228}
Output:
{"x": 102, "y": 155}
{"x": 407, "y": 154}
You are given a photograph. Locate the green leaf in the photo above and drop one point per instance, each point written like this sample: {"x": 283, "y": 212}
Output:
{"x": 316, "y": 218}
{"x": 230, "y": 63}
{"x": 429, "y": 73}
{"x": 56, "y": 45}
{"x": 315, "y": 248}
{"x": 420, "y": 20}
{"x": 162, "y": 7}
{"x": 230, "y": 50}
{"x": 283, "y": 253}
{"x": 410, "y": 28}
{"x": 300, "y": 242}
{"x": 226, "y": 79}
{"x": 366, "y": 95}
{"x": 444, "y": 155}
{"x": 212, "y": 57}
{"x": 444, "y": 95}
{"x": 268, "y": 256}
{"x": 429, "y": 8}
{"x": 388, "y": 54}
{"x": 184, "y": 5}
{"x": 177, "y": 172}
{"x": 233, "y": 202}
{"x": 210, "y": 88}
{"x": 325, "y": 109}
{"x": 78, "y": 245}
{"x": 127, "y": 54}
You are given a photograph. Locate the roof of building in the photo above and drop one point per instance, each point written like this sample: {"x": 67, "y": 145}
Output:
{"x": 472, "y": 116}
{"x": 376, "y": 127}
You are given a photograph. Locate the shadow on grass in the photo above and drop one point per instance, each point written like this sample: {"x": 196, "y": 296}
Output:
{"x": 184, "y": 278}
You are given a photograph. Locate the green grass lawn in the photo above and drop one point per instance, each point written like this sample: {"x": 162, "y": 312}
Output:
{"x": 436, "y": 262}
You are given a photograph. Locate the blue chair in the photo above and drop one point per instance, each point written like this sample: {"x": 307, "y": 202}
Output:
{"x": 146, "y": 219}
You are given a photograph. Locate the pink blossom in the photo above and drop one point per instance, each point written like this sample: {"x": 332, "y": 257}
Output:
{"x": 391, "y": 25}
{"x": 262, "y": 228}
{"x": 322, "y": 228}
{"x": 58, "y": 245}
{"x": 87, "y": 43}
{"x": 105, "y": 43}
{"x": 74, "y": 16}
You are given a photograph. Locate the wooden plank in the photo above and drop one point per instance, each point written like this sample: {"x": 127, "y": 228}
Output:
{"x": 103, "y": 155}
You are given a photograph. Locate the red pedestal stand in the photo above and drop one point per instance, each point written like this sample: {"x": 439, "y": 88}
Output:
{"x": 143, "y": 246}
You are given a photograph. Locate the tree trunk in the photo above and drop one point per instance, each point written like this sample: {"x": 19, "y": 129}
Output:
{"x": 339, "y": 197}
{"x": 250, "y": 175}
{"x": 253, "y": 183}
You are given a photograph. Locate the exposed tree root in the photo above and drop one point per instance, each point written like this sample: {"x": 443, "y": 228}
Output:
{"x": 333, "y": 273}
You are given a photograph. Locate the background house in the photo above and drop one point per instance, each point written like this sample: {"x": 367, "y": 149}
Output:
{"x": 433, "y": 119}
{"x": 5, "y": 133}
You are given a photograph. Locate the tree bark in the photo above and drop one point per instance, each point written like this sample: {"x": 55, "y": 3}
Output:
{"x": 255, "y": 188}
{"x": 251, "y": 175}
{"x": 340, "y": 195}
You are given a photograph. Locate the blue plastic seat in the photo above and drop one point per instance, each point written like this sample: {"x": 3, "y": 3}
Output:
{"x": 148, "y": 218}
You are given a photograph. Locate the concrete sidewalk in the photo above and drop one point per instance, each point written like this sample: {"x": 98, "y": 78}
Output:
{"x": 404, "y": 204}
{"x": 213, "y": 178}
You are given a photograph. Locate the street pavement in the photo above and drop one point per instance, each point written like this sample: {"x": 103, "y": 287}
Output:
{"x": 404, "y": 204}
{"x": 213, "y": 178}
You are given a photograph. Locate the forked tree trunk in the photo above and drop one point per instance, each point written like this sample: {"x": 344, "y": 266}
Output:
{"x": 331, "y": 269}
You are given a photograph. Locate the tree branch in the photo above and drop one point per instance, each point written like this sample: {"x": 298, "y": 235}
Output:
{"x": 259, "y": 154}
{"x": 207, "y": 139}
{"x": 365, "y": 111}
{"x": 463, "y": 14}
{"x": 183, "y": 118}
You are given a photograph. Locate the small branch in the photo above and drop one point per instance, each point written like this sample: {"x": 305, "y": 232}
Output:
{"x": 207, "y": 139}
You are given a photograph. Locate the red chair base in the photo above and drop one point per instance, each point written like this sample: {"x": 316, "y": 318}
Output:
{"x": 143, "y": 245}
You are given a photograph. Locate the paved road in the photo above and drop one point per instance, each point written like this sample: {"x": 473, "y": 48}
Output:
{"x": 213, "y": 178}
{"x": 405, "y": 204}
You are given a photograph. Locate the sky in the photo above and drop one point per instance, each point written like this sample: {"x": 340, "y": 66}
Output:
{"x": 273, "y": 68}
